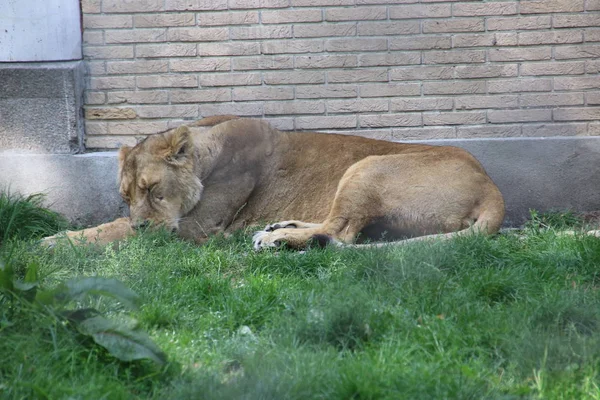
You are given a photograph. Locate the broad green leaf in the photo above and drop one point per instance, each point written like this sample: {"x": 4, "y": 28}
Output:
{"x": 32, "y": 273}
{"x": 121, "y": 341}
{"x": 24, "y": 286}
{"x": 77, "y": 288}
{"x": 6, "y": 276}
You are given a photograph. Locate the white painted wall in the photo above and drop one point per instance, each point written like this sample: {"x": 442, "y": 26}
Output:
{"x": 40, "y": 30}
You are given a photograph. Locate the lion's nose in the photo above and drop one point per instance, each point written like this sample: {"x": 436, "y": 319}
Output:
{"x": 142, "y": 224}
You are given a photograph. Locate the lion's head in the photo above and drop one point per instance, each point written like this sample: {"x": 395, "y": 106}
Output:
{"x": 158, "y": 179}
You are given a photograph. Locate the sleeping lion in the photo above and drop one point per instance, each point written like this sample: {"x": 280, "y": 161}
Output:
{"x": 225, "y": 173}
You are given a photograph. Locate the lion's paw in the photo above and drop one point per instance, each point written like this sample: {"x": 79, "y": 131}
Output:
{"x": 280, "y": 225}
{"x": 265, "y": 240}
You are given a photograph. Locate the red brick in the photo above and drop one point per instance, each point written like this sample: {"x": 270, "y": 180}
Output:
{"x": 454, "y": 87}
{"x": 137, "y": 66}
{"x": 474, "y": 40}
{"x": 159, "y": 81}
{"x": 552, "y": 37}
{"x": 96, "y": 128}
{"x": 575, "y": 20}
{"x": 576, "y": 83}
{"x": 357, "y": 105}
{"x": 454, "y": 57}
{"x": 429, "y": 132}
{"x": 479, "y": 8}
{"x": 294, "y": 107}
{"x": 550, "y": 6}
{"x": 107, "y": 21}
{"x": 200, "y": 95}
{"x": 112, "y": 82}
{"x": 421, "y": 42}
{"x": 327, "y": 91}
{"x": 139, "y": 97}
{"x": 228, "y": 49}
{"x": 593, "y": 5}
{"x": 263, "y": 62}
{"x": 511, "y": 116}
{"x": 94, "y": 98}
{"x": 195, "y": 5}
{"x": 355, "y": 13}
{"x": 421, "y": 73}
{"x": 420, "y": 103}
{"x": 486, "y": 71}
{"x": 390, "y": 89}
{"x": 454, "y": 25}
{"x": 380, "y": 28}
{"x": 577, "y": 114}
{"x": 239, "y": 108}
{"x": 198, "y": 34}
{"x": 454, "y": 118}
{"x": 168, "y": 111}
{"x": 383, "y": 120}
{"x": 554, "y": 129}
{"x": 166, "y": 20}
{"x": 482, "y": 131}
{"x": 519, "y": 85}
{"x": 579, "y": 51}
{"x": 204, "y": 64}
{"x": 108, "y": 52}
{"x": 518, "y": 23}
{"x": 263, "y": 93}
{"x": 319, "y": 3}
{"x": 286, "y": 78}
{"x": 165, "y": 50}
{"x": 244, "y": 4}
{"x": 229, "y": 79}
{"x": 227, "y": 18}
{"x": 327, "y": 61}
{"x": 420, "y": 11}
{"x": 260, "y": 32}
{"x": 551, "y": 99}
{"x": 291, "y": 46}
{"x": 136, "y": 127}
{"x": 520, "y": 54}
{"x": 394, "y": 59}
{"x": 291, "y": 16}
{"x": 358, "y": 75}
{"x": 553, "y": 68}
{"x": 320, "y": 30}
{"x": 119, "y": 36}
{"x": 326, "y": 122}
{"x": 356, "y": 44}
{"x": 120, "y": 6}
{"x": 479, "y": 102}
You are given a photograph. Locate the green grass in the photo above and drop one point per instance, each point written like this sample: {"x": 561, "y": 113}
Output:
{"x": 515, "y": 316}
{"x": 25, "y": 217}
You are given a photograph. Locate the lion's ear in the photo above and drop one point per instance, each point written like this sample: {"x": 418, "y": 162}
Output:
{"x": 178, "y": 145}
{"x": 123, "y": 153}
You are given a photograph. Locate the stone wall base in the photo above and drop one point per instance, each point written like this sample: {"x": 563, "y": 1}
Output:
{"x": 532, "y": 173}
{"x": 41, "y": 107}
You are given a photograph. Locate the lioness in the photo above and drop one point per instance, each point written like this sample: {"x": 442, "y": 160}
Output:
{"x": 224, "y": 173}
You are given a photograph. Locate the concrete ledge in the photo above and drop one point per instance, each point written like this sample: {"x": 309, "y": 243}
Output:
{"x": 81, "y": 187}
{"x": 532, "y": 173}
{"x": 41, "y": 107}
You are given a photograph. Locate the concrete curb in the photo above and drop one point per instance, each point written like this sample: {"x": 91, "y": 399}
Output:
{"x": 532, "y": 173}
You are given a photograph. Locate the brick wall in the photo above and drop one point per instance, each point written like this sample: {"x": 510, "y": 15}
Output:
{"x": 391, "y": 69}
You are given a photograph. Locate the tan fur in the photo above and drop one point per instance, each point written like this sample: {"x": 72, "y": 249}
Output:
{"x": 201, "y": 181}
